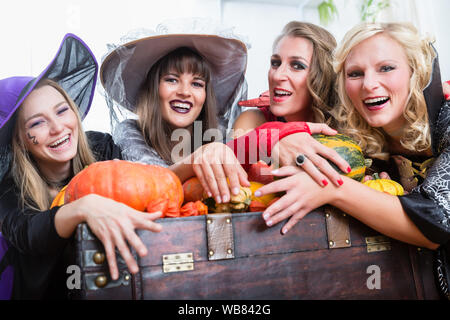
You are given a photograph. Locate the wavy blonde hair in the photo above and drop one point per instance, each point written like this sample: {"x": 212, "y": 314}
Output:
{"x": 34, "y": 191}
{"x": 321, "y": 77}
{"x": 420, "y": 54}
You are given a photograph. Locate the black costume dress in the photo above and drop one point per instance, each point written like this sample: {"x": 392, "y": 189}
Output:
{"x": 428, "y": 205}
{"x": 36, "y": 252}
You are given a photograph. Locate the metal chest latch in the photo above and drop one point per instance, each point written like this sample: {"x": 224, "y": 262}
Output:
{"x": 178, "y": 262}
{"x": 378, "y": 243}
{"x": 338, "y": 229}
{"x": 219, "y": 230}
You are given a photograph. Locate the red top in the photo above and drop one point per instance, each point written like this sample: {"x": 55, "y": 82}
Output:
{"x": 258, "y": 143}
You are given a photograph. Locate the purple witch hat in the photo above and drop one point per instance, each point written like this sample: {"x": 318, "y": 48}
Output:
{"x": 74, "y": 68}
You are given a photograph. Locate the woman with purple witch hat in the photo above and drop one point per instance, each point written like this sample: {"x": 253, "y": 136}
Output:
{"x": 42, "y": 146}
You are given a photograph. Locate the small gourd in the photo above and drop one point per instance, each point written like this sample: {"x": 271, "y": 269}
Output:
{"x": 349, "y": 150}
{"x": 237, "y": 203}
{"x": 385, "y": 185}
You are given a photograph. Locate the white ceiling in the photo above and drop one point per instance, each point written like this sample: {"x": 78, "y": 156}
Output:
{"x": 282, "y": 2}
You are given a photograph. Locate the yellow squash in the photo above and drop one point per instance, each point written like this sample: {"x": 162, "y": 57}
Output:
{"x": 263, "y": 199}
{"x": 385, "y": 185}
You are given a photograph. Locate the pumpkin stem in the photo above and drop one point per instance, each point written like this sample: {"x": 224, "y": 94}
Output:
{"x": 376, "y": 176}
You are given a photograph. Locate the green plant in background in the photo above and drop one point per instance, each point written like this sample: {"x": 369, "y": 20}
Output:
{"x": 371, "y": 9}
{"x": 327, "y": 11}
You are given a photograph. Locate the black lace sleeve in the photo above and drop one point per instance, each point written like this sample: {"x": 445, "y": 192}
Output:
{"x": 428, "y": 205}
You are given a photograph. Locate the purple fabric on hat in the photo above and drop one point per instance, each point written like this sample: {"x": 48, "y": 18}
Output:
{"x": 7, "y": 277}
{"x": 10, "y": 90}
{"x": 74, "y": 68}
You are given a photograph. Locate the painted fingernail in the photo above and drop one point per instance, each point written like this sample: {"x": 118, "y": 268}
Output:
{"x": 284, "y": 230}
{"x": 274, "y": 171}
{"x": 257, "y": 193}
{"x": 325, "y": 182}
{"x": 235, "y": 191}
{"x": 265, "y": 216}
{"x": 340, "y": 182}
{"x": 218, "y": 199}
{"x": 349, "y": 170}
{"x": 209, "y": 194}
{"x": 269, "y": 223}
{"x": 225, "y": 199}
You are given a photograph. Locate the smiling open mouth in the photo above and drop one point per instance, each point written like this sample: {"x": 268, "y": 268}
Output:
{"x": 181, "y": 106}
{"x": 376, "y": 103}
{"x": 281, "y": 93}
{"x": 60, "y": 142}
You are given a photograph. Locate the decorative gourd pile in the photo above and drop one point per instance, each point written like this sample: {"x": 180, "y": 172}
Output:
{"x": 143, "y": 187}
{"x": 259, "y": 174}
{"x": 153, "y": 188}
{"x": 352, "y": 153}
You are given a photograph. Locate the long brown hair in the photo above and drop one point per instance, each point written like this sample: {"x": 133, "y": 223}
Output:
{"x": 321, "y": 78}
{"x": 155, "y": 130}
{"x": 34, "y": 191}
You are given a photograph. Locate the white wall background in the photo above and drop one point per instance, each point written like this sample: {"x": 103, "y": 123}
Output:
{"x": 31, "y": 31}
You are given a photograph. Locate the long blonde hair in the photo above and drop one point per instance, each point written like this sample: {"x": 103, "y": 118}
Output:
{"x": 420, "y": 54}
{"x": 321, "y": 77}
{"x": 34, "y": 191}
{"x": 155, "y": 130}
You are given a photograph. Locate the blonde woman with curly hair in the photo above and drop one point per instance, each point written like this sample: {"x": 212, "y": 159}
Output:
{"x": 411, "y": 135}
{"x": 390, "y": 105}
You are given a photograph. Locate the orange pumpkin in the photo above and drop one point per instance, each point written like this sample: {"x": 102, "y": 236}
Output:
{"x": 193, "y": 190}
{"x": 191, "y": 208}
{"x": 141, "y": 186}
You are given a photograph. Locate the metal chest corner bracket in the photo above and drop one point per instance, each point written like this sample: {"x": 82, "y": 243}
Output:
{"x": 338, "y": 229}
{"x": 178, "y": 262}
{"x": 378, "y": 243}
{"x": 219, "y": 230}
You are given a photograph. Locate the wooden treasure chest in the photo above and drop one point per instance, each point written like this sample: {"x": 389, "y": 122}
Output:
{"x": 327, "y": 255}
